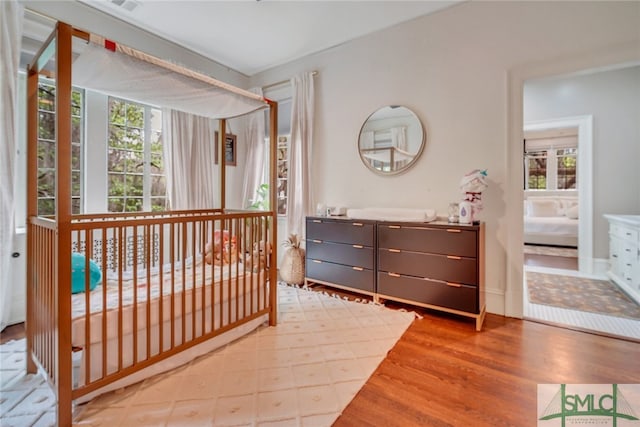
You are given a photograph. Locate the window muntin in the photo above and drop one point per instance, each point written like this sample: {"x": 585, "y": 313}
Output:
{"x": 135, "y": 166}
{"x": 567, "y": 176}
{"x": 537, "y": 170}
{"x": 47, "y": 148}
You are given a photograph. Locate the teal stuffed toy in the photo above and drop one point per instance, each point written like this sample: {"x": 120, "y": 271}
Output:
{"x": 78, "y": 264}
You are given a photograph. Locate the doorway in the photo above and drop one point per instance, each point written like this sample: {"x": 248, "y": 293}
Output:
{"x": 550, "y": 104}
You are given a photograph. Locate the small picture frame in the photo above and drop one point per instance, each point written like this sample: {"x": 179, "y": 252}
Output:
{"x": 230, "y": 153}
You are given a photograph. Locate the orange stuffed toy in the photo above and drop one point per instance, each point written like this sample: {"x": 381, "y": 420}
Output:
{"x": 222, "y": 250}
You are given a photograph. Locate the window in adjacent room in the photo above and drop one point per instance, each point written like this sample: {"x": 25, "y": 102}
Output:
{"x": 136, "y": 180}
{"x": 551, "y": 160}
{"x": 47, "y": 148}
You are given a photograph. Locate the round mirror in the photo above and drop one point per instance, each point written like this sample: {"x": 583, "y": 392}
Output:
{"x": 391, "y": 140}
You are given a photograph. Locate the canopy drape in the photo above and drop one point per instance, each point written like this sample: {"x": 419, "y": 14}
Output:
{"x": 126, "y": 76}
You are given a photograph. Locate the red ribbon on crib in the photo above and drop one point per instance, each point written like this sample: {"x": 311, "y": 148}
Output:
{"x": 111, "y": 45}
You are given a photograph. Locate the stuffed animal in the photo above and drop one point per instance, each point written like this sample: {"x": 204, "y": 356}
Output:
{"x": 223, "y": 249}
{"x": 472, "y": 185}
{"x": 259, "y": 256}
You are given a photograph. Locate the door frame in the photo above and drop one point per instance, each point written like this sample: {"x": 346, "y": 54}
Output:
{"x": 584, "y": 124}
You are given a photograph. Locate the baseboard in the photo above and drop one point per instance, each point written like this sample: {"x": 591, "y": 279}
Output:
{"x": 495, "y": 301}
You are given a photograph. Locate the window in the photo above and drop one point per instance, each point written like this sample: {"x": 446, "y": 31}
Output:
{"x": 551, "y": 162}
{"x": 537, "y": 170}
{"x": 567, "y": 168}
{"x": 136, "y": 180}
{"x": 47, "y": 149}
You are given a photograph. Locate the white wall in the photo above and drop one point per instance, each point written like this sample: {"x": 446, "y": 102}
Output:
{"x": 452, "y": 69}
{"x": 613, "y": 99}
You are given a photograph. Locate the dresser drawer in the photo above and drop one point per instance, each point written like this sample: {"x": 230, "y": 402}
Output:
{"x": 341, "y": 253}
{"x": 352, "y": 232}
{"x": 624, "y": 232}
{"x": 446, "y": 241}
{"x": 432, "y": 266}
{"x": 439, "y": 293}
{"x": 342, "y": 275}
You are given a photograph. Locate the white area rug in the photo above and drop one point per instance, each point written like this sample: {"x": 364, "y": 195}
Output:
{"x": 303, "y": 372}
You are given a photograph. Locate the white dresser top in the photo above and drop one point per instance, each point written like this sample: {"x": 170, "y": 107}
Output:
{"x": 626, "y": 219}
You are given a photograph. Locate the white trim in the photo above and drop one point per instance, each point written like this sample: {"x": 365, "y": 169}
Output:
{"x": 623, "y": 54}
{"x": 585, "y": 180}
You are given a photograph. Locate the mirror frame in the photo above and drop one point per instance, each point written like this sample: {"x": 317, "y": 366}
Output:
{"x": 413, "y": 161}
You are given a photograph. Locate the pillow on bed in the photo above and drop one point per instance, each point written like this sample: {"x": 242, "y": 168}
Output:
{"x": 572, "y": 212}
{"x": 543, "y": 207}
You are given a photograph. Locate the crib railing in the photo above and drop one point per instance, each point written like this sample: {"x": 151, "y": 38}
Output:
{"x": 171, "y": 305}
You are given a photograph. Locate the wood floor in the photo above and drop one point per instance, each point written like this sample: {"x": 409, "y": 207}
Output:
{"x": 443, "y": 373}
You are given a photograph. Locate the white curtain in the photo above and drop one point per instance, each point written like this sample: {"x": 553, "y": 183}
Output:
{"x": 11, "y": 17}
{"x": 399, "y": 137}
{"x": 188, "y": 142}
{"x": 300, "y": 201}
{"x": 366, "y": 140}
{"x": 254, "y": 133}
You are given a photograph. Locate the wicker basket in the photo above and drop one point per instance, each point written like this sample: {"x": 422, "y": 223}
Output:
{"x": 292, "y": 267}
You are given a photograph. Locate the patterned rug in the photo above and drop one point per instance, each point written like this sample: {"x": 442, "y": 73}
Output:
{"x": 303, "y": 372}
{"x": 576, "y": 293}
{"x": 551, "y": 251}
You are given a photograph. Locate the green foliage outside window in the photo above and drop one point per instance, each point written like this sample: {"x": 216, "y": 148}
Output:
{"x": 127, "y": 151}
{"x": 47, "y": 149}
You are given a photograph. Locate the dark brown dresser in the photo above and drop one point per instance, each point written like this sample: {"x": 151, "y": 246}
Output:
{"x": 434, "y": 265}
{"x": 341, "y": 253}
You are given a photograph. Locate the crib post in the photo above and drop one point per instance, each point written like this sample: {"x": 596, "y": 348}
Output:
{"x": 32, "y": 206}
{"x": 63, "y": 374}
{"x": 273, "y": 204}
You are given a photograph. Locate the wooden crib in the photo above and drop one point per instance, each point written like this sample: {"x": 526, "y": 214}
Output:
{"x": 158, "y": 300}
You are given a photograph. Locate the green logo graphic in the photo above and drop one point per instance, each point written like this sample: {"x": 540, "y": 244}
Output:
{"x": 565, "y": 405}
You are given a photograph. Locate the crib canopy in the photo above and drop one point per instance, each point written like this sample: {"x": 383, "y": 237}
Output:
{"x": 121, "y": 71}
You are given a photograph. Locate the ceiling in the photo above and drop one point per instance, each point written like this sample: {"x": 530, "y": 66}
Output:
{"x": 251, "y": 36}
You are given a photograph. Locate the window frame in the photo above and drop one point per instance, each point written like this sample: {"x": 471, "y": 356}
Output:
{"x": 147, "y": 174}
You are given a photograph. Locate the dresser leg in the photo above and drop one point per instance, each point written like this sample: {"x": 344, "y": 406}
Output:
{"x": 480, "y": 319}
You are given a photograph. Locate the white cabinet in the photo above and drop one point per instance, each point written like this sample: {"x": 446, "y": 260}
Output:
{"x": 624, "y": 253}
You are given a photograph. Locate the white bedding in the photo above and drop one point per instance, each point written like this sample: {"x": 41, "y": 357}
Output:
{"x": 560, "y": 225}
{"x": 183, "y": 302}
{"x": 552, "y": 230}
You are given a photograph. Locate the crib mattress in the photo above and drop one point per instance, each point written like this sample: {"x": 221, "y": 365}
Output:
{"x": 175, "y": 289}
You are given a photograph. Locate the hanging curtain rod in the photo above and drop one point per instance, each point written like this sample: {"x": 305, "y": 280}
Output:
{"x": 269, "y": 86}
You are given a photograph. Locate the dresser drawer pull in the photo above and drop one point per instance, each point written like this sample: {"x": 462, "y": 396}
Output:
{"x": 393, "y": 274}
{"x": 318, "y": 221}
{"x": 317, "y": 261}
{"x": 397, "y": 251}
{"x": 454, "y": 285}
{"x": 358, "y": 268}
{"x": 394, "y": 226}
{"x": 453, "y": 230}
{"x": 317, "y": 241}
{"x": 628, "y": 234}
{"x": 454, "y": 257}
{"x": 358, "y": 246}
{"x": 614, "y": 256}
{"x": 358, "y": 224}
